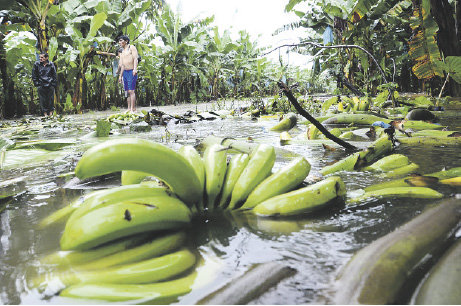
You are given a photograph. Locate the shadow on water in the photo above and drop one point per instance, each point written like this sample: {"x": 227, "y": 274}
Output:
{"x": 315, "y": 245}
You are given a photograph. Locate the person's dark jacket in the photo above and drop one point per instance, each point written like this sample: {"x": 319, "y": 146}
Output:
{"x": 44, "y": 76}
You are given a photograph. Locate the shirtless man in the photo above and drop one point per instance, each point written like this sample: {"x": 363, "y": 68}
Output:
{"x": 129, "y": 70}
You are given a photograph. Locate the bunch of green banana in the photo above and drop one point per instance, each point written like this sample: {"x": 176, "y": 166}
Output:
{"x": 303, "y": 200}
{"x": 145, "y": 271}
{"x": 130, "y": 217}
{"x": 418, "y": 180}
{"x": 401, "y": 192}
{"x": 156, "y": 293}
{"x": 123, "y": 117}
{"x": 388, "y": 163}
{"x": 145, "y": 156}
{"x": 377, "y": 149}
{"x": 160, "y": 245}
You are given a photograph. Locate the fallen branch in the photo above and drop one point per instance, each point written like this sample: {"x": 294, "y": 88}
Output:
{"x": 306, "y": 115}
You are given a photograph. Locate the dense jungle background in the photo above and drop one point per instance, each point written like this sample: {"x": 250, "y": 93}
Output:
{"x": 413, "y": 45}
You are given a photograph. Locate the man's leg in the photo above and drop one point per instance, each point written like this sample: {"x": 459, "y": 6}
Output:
{"x": 50, "y": 100}
{"x": 42, "y": 97}
{"x": 132, "y": 99}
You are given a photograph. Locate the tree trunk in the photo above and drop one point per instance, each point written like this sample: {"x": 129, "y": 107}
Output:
{"x": 447, "y": 41}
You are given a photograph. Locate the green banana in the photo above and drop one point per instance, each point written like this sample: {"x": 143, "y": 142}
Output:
{"x": 146, "y": 271}
{"x": 406, "y": 181}
{"x": 401, "y": 192}
{"x": 303, "y": 200}
{"x": 116, "y": 195}
{"x": 259, "y": 167}
{"x": 161, "y": 245}
{"x": 388, "y": 163}
{"x": 454, "y": 181}
{"x": 378, "y": 272}
{"x": 133, "y": 177}
{"x": 157, "y": 293}
{"x": 377, "y": 149}
{"x": 64, "y": 213}
{"x": 441, "y": 287}
{"x": 405, "y": 170}
{"x": 193, "y": 157}
{"x": 429, "y": 140}
{"x": 74, "y": 258}
{"x": 123, "y": 219}
{"x": 346, "y": 164}
{"x": 286, "y": 179}
{"x": 421, "y": 125}
{"x": 215, "y": 161}
{"x": 236, "y": 166}
{"x": 287, "y": 123}
{"x": 146, "y": 156}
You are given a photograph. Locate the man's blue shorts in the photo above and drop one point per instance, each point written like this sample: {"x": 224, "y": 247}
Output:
{"x": 129, "y": 80}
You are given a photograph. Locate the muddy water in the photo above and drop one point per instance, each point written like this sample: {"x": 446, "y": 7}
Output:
{"x": 315, "y": 245}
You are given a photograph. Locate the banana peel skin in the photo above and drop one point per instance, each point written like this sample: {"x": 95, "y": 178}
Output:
{"x": 376, "y": 273}
{"x": 145, "y": 156}
{"x": 303, "y": 200}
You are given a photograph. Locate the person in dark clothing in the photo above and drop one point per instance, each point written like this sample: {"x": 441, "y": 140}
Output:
{"x": 44, "y": 78}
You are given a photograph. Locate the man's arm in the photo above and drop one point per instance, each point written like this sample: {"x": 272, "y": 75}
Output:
{"x": 35, "y": 76}
{"x": 122, "y": 68}
{"x": 54, "y": 77}
{"x": 134, "y": 53}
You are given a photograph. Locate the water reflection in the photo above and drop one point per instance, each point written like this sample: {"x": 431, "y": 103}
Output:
{"x": 315, "y": 245}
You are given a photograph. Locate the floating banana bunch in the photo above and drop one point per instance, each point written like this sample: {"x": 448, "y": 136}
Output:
{"x": 401, "y": 192}
{"x": 158, "y": 293}
{"x": 388, "y": 163}
{"x": 142, "y": 155}
{"x": 407, "y": 181}
{"x": 146, "y": 271}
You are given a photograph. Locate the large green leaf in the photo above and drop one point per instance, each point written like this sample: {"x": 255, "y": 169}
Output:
{"x": 454, "y": 67}
{"x": 423, "y": 46}
{"x": 96, "y": 23}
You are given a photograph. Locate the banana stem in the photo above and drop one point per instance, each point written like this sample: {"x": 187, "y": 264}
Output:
{"x": 306, "y": 115}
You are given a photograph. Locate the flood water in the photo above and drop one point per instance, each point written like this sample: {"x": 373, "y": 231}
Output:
{"x": 316, "y": 245}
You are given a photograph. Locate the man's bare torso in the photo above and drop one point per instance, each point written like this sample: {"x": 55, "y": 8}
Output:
{"x": 128, "y": 56}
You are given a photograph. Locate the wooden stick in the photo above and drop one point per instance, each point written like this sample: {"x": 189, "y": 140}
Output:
{"x": 306, "y": 115}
